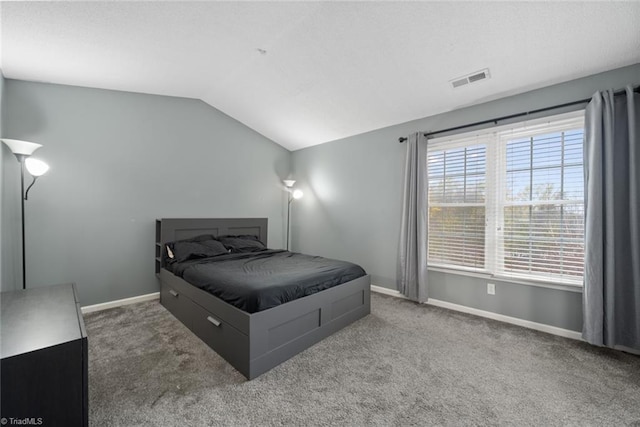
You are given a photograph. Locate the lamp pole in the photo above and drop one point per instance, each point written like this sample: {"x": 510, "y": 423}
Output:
{"x": 288, "y": 216}
{"x": 21, "y": 159}
{"x": 22, "y": 150}
{"x": 293, "y": 194}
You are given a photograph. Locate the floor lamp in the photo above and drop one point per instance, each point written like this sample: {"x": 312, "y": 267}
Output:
{"x": 293, "y": 194}
{"x": 23, "y": 150}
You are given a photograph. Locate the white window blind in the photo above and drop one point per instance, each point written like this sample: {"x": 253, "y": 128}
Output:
{"x": 543, "y": 207}
{"x": 510, "y": 201}
{"x": 457, "y": 180}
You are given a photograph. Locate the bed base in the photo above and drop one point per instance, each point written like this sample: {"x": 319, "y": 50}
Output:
{"x": 254, "y": 343}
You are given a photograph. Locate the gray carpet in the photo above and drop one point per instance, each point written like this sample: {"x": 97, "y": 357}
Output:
{"x": 405, "y": 364}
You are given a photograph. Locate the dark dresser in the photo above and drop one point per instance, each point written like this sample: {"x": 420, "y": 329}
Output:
{"x": 44, "y": 366}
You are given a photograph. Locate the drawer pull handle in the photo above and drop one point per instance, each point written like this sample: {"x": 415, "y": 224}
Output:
{"x": 174, "y": 293}
{"x": 214, "y": 321}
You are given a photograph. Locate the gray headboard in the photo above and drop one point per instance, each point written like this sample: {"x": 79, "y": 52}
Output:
{"x": 183, "y": 228}
{"x": 171, "y": 229}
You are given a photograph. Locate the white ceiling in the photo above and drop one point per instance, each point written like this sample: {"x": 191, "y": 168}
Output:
{"x": 331, "y": 69}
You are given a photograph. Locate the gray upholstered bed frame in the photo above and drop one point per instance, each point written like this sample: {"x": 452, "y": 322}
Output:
{"x": 253, "y": 343}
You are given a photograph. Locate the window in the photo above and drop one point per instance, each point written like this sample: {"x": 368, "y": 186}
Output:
{"x": 510, "y": 201}
{"x": 457, "y": 180}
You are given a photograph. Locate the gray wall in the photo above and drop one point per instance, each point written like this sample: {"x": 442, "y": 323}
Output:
{"x": 118, "y": 161}
{"x": 2, "y": 281}
{"x": 351, "y": 209}
{"x": 10, "y": 245}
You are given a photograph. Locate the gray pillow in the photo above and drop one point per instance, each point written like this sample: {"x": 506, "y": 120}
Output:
{"x": 240, "y": 244}
{"x": 204, "y": 246}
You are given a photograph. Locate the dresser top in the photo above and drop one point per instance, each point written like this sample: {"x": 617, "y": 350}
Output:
{"x": 38, "y": 318}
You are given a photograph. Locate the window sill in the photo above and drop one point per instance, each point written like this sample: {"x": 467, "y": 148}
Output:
{"x": 518, "y": 281}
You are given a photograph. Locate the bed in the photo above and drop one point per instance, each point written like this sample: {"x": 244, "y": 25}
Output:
{"x": 252, "y": 342}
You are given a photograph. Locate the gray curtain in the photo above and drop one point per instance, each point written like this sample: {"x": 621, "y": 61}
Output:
{"x": 412, "y": 252}
{"x": 611, "y": 295}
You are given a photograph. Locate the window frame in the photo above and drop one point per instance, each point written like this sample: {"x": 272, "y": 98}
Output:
{"x": 496, "y": 140}
{"x": 463, "y": 143}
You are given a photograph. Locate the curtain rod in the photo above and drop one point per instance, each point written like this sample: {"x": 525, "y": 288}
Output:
{"x": 512, "y": 116}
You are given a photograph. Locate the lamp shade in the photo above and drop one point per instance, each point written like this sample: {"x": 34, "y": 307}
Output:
{"x": 36, "y": 167}
{"x": 23, "y": 148}
{"x": 297, "y": 194}
{"x": 289, "y": 182}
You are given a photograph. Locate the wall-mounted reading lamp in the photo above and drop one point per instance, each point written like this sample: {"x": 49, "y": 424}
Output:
{"x": 293, "y": 194}
{"x": 23, "y": 150}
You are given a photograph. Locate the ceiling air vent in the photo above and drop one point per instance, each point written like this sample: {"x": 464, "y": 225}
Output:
{"x": 470, "y": 78}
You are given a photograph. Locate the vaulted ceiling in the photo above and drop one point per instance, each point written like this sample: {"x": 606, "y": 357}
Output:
{"x": 304, "y": 73}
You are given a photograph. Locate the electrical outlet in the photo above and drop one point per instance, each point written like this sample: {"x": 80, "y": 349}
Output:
{"x": 491, "y": 288}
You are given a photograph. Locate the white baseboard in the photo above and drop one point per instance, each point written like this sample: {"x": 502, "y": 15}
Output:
{"x": 489, "y": 315}
{"x": 120, "y": 302}
{"x": 508, "y": 319}
{"x": 387, "y": 291}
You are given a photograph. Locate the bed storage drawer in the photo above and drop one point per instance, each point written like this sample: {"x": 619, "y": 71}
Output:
{"x": 178, "y": 304}
{"x": 226, "y": 340}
